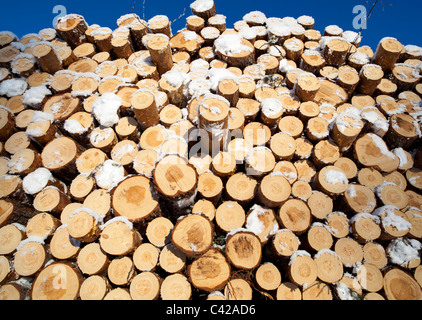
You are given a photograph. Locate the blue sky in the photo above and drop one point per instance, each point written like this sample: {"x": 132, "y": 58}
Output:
{"x": 394, "y": 18}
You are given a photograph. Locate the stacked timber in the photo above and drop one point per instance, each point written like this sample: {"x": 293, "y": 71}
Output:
{"x": 267, "y": 161}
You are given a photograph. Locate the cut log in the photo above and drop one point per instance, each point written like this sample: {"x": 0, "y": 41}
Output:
{"x": 214, "y": 120}
{"x": 266, "y": 220}
{"x": 121, "y": 271}
{"x": 229, "y": 215}
{"x": 58, "y": 281}
{"x": 307, "y": 87}
{"x": 320, "y": 204}
{"x": 62, "y": 106}
{"x": 94, "y": 288}
{"x": 371, "y": 75}
{"x": 118, "y": 238}
{"x": 63, "y": 246}
{"x": 229, "y": 89}
{"x": 325, "y": 153}
{"x": 348, "y": 166}
{"x": 118, "y": 294}
{"x": 331, "y": 180}
{"x": 158, "y": 231}
{"x": 210, "y": 272}
{"x": 145, "y": 257}
{"x": 92, "y": 260}
{"x": 176, "y": 181}
{"x": 305, "y": 170}
{"x": 388, "y": 52}
{"x": 283, "y": 244}
{"x": 336, "y": 51}
{"x": 241, "y": 188}
{"x": 414, "y": 178}
{"x": 295, "y": 215}
{"x": 403, "y": 131}
{"x": 224, "y": 165}
{"x": 193, "y": 235}
{"x": 288, "y": 291}
{"x": 259, "y": 162}
{"x": 51, "y": 200}
{"x": 145, "y": 109}
{"x": 238, "y": 58}
{"x": 331, "y": 93}
{"x": 329, "y": 266}
{"x": 349, "y": 251}
{"x": 238, "y": 289}
{"x": 171, "y": 259}
{"x": 160, "y": 50}
{"x": 317, "y": 238}
{"x": 302, "y": 269}
{"x": 301, "y": 190}
{"x": 59, "y": 156}
{"x": 47, "y": 57}
{"x": 390, "y": 194}
{"x": 395, "y": 280}
{"x": 317, "y": 290}
{"x": 42, "y": 225}
{"x": 359, "y": 198}
{"x": 370, "y": 277}
{"x": 273, "y": 190}
{"x": 205, "y": 208}
{"x": 195, "y": 23}
{"x": 312, "y": 61}
{"x": 268, "y": 277}
{"x": 10, "y": 238}
{"x": 72, "y": 29}
{"x": 204, "y": 10}
{"x": 145, "y": 286}
{"x": 338, "y": 224}
{"x": 133, "y": 199}
{"x": 375, "y": 254}
{"x": 176, "y": 287}
{"x": 187, "y": 41}
{"x": 30, "y": 258}
{"x": 243, "y": 250}
{"x": 371, "y": 151}
{"x": 257, "y": 133}
{"x": 365, "y": 227}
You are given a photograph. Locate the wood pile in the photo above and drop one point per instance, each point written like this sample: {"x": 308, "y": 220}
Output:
{"x": 267, "y": 161}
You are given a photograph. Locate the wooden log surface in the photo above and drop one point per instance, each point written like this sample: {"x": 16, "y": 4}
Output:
{"x": 268, "y": 160}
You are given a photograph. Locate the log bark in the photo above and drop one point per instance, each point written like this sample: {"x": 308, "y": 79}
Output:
{"x": 71, "y": 28}
{"x": 160, "y": 50}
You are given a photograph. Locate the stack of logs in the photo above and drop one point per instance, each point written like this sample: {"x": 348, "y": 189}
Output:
{"x": 310, "y": 187}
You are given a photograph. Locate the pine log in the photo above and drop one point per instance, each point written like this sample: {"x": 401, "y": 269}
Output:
{"x": 210, "y": 272}
{"x": 243, "y": 250}
{"x": 145, "y": 257}
{"x": 295, "y": 215}
{"x": 72, "y": 29}
{"x": 145, "y": 286}
{"x": 10, "y": 237}
{"x": 63, "y": 246}
{"x": 58, "y": 281}
{"x": 159, "y": 48}
{"x": 94, "y": 288}
{"x": 176, "y": 287}
{"x": 387, "y": 54}
{"x": 193, "y": 235}
{"x": 118, "y": 238}
{"x": 171, "y": 259}
{"x": 302, "y": 268}
{"x": 176, "y": 181}
{"x": 158, "y": 231}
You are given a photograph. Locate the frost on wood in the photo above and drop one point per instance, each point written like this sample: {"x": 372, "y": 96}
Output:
{"x": 255, "y": 75}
